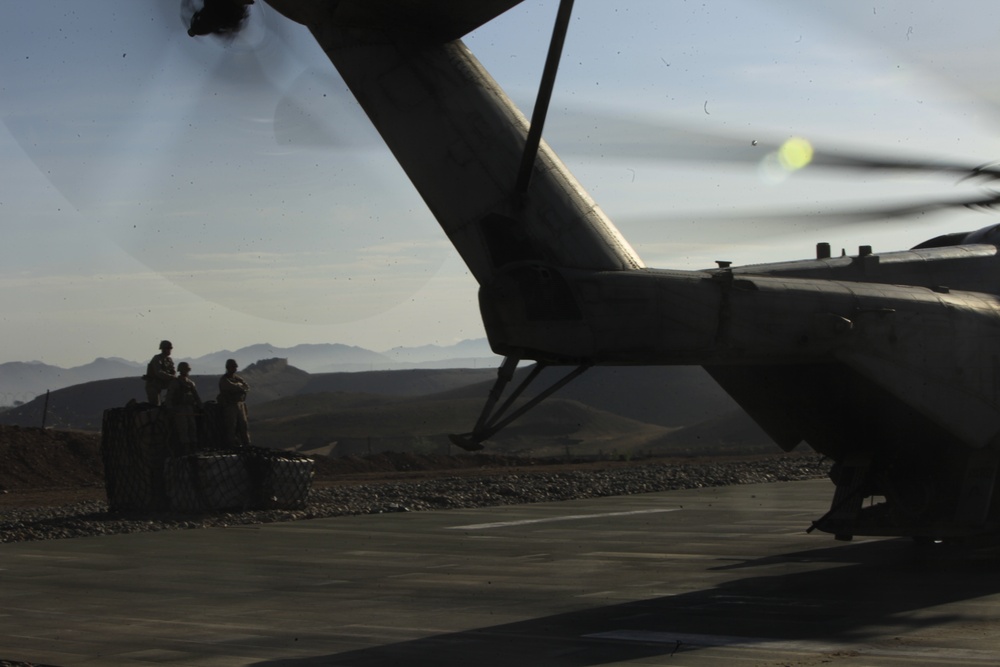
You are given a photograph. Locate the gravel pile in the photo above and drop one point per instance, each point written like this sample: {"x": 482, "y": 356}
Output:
{"x": 92, "y": 518}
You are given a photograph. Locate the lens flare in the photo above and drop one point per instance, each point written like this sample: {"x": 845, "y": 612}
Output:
{"x": 795, "y": 153}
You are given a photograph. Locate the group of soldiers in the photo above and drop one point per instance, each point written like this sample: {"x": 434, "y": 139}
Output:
{"x": 183, "y": 402}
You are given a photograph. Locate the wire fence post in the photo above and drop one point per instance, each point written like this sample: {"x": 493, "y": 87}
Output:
{"x": 45, "y": 409}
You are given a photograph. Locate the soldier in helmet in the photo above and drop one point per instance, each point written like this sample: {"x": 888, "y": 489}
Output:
{"x": 232, "y": 397}
{"x": 183, "y": 401}
{"x": 159, "y": 373}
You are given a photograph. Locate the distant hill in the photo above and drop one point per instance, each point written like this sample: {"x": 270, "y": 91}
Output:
{"x": 311, "y": 358}
{"x": 413, "y": 382}
{"x": 664, "y": 395}
{"x": 605, "y": 412}
{"x": 472, "y": 353}
{"x": 82, "y": 406}
{"x": 22, "y": 381}
{"x": 732, "y": 433}
{"x": 354, "y": 424}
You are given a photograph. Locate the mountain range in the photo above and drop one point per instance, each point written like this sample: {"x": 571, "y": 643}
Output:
{"x": 21, "y": 381}
{"x": 620, "y": 411}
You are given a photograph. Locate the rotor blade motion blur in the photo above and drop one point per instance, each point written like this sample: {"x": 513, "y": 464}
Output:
{"x": 616, "y": 137}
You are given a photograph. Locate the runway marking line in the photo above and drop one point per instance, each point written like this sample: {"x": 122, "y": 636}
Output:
{"x": 568, "y": 517}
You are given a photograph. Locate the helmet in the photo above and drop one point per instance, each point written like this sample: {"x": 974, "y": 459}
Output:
{"x": 184, "y": 366}
{"x": 231, "y": 363}
{"x": 166, "y": 345}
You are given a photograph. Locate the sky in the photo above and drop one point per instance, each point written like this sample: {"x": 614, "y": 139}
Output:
{"x": 222, "y": 194}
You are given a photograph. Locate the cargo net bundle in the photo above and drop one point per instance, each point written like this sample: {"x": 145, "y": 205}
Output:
{"x": 147, "y": 469}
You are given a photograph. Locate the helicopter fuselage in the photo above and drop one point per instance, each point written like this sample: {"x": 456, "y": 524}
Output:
{"x": 887, "y": 363}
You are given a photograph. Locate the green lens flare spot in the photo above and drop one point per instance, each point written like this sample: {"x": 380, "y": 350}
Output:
{"x": 795, "y": 153}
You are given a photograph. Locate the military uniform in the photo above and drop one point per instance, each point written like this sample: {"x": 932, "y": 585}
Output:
{"x": 160, "y": 372}
{"x": 232, "y": 398}
{"x": 182, "y": 400}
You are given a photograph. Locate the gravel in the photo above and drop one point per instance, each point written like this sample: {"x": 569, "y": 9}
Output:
{"x": 87, "y": 519}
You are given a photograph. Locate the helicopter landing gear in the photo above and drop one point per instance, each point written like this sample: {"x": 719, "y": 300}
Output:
{"x": 491, "y": 422}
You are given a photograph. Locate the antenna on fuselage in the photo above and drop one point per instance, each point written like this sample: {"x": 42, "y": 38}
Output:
{"x": 544, "y": 95}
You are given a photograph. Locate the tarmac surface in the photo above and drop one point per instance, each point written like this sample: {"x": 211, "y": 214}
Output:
{"x": 715, "y": 576}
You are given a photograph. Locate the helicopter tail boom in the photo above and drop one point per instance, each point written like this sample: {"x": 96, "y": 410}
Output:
{"x": 460, "y": 139}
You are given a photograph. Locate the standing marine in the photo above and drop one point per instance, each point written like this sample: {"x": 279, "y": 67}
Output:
{"x": 183, "y": 401}
{"x": 160, "y": 373}
{"x": 232, "y": 397}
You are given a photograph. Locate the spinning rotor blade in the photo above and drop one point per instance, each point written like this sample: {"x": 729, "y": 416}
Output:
{"x": 197, "y": 156}
{"x": 614, "y": 137}
{"x": 629, "y": 139}
{"x": 775, "y": 223}
{"x": 838, "y": 160}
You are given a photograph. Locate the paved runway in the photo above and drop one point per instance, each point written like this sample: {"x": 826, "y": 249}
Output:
{"x": 702, "y": 577}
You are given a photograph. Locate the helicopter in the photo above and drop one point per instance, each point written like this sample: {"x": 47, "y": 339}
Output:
{"x": 885, "y": 363}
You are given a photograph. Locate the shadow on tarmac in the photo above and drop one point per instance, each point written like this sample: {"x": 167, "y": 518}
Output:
{"x": 856, "y": 593}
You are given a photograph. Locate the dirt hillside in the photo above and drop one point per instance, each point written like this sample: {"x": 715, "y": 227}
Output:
{"x": 41, "y": 458}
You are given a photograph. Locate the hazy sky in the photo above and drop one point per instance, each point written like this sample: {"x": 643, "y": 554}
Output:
{"x": 158, "y": 186}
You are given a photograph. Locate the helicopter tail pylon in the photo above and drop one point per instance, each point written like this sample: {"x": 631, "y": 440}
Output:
{"x": 458, "y": 136}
